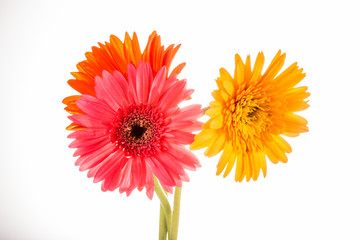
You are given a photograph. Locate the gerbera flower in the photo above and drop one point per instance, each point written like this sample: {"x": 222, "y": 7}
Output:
{"x": 250, "y": 113}
{"x": 134, "y": 130}
{"x": 116, "y": 55}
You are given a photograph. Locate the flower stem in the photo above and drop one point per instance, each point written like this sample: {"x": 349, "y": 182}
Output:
{"x": 176, "y": 214}
{"x": 205, "y": 109}
{"x": 164, "y": 203}
{"x": 162, "y": 225}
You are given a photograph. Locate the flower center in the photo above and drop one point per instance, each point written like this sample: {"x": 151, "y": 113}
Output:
{"x": 247, "y": 116}
{"x": 138, "y": 130}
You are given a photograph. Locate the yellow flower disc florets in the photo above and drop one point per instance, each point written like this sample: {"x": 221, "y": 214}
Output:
{"x": 245, "y": 118}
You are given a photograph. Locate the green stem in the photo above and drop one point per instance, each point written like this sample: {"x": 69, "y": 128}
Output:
{"x": 176, "y": 214}
{"x": 205, "y": 109}
{"x": 162, "y": 225}
{"x": 164, "y": 204}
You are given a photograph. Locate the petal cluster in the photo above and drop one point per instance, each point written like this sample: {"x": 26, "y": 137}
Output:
{"x": 250, "y": 112}
{"x": 116, "y": 55}
{"x": 134, "y": 129}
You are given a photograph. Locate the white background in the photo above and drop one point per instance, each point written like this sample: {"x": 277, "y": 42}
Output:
{"x": 43, "y": 196}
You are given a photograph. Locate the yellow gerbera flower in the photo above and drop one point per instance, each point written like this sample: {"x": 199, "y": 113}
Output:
{"x": 250, "y": 112}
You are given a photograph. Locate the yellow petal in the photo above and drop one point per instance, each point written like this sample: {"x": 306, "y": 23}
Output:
{"x": 216, "y": 146}
{"x": 203, "y": 139}
{"x": 299, "y": 92}
{"x": 217, "y": 122}
{"x": 215, "y": 104}
{"x": 262, "y": 160}
{"x": 259, "y": 63}
{"x": 282, "y": 144}
{"x": 224, "y": 158}
{"x": 255, "y": 165}
{"x": 230, "y": 88}
{"x": 227, "y": 82}
{"x": 225, "y": 75}
{"x": 239, "y": 173}
{"x": 275, "y": 66}
{"x": 290, "y": 77}
{"x": 288, "y": 134}
{"x": 217, "y": 94}
{"x": 225, "y": 96}
{"x": 295, "y": 99}
{"x": 214, "y": 111}
{"x": 247, "y": 70}
{"x": 274, "y": 153}
{"x": 231, "y": 162}
{"x": 247, "y": 166}
{"x": 271, "y": 156}
{"x": 295, "y": 124}
{"x": 239, "y": 70}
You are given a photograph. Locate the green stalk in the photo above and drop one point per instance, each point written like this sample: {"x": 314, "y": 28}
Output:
{"x": 164, "y": 203}
{"x": 176, "y": 214}
{"x": 162, "y": 225}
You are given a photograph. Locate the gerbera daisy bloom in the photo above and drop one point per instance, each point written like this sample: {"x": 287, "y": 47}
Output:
{"x": 116, "y": 55}
{"x": 250, "y": 113}
{"x": 134, "y": 130}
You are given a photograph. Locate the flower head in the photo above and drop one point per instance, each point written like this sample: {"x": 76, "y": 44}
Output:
{"x": 134, "y": 129}
{"x": 116, "y": 55}
{"x": 249, "y": 114}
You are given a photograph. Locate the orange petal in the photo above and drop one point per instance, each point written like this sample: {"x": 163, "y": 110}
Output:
{"x": 82, "y": 87}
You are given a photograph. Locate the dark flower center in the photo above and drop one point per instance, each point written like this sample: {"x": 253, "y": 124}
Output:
{"x": 137, "y": 131}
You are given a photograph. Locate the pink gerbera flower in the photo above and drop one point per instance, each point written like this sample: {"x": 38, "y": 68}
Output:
{"x": 135, "y": 130}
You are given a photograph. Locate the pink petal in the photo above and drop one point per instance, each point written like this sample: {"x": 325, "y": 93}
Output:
{"x": 144, "y": 77}
{"x": 179, "y": 124}
{"x": 169, "y": 82}
{"x": 90, "y": 160}
{"x": 173, "y": 95}
{"x": 188, "y": 113}
{"x": 80, "y": 143}
{"x": 91, "y": 148}
{"x": 136, "y": 170}
{"x": 89, "y": 133}
{"x": 113, "y": 88}
{"x": 104, "y": 92}
{"x": 181, "y": 137}
{"x": 142, "y": 178}
{"x": 188, "y": 93}
{"x": 184, "y": 156}
{"x": 149, "y": 185}
{"x": 95, "y": 108}
{"x": 131, "y": 71}
{"x": 195, "y": 126}
{"x": 188, "y": 126}
{"x": 112, "y": 181}
{"x": 87, "y": 121}
{"x": 170, "y": 112}
{"x": 179, "y": 179}
{"x": 168, "y": 188}
{"x": 160, "y": 171}
{"x": 125, "y": 176}
{"x": 113, "y": 178}
{"x": 171, "y": 164}
{"x": 150, "y": 192}
{"x": 157, "y": 86}
{"x": 108, "y": 166}
{"x": 129, "y": 191}
{"x": 123, "y": 88}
